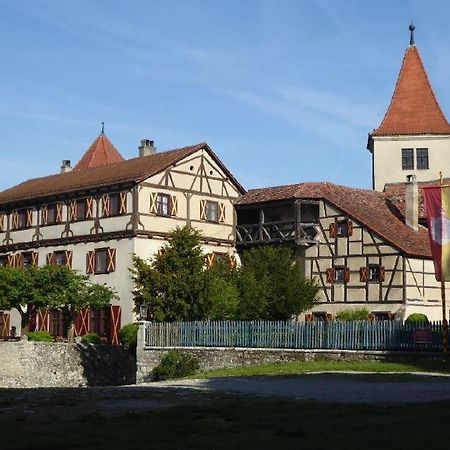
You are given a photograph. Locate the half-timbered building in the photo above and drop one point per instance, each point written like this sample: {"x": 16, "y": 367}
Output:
{"x": 95, "y": 216}
{"x": 363, "y": 249}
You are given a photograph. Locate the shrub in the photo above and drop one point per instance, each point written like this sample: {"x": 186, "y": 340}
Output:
{"x": 128, "y": 336}
{"x": 175, "y": 365}
{"x": 42, "y": 336}
{"x": 91, "y": 338}
{"x": 417, "y": 317}
{"x": 350, "y": 315}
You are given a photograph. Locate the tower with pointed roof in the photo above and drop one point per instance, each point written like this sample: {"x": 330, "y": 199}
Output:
{"x": 414, "y": 135}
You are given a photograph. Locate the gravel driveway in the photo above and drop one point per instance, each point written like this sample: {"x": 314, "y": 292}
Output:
{"x": 348, "y": 388}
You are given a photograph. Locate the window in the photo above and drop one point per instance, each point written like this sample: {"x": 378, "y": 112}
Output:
{"x": 3, "y": 261}
{"x": 101, "y": 261}
{"x": 407, "y": 158}
{"x": 59, "y": 258}
{"x": 212, "y": 211}
{"x": 27, "y": 259}
{"x": 374, "y": 273}
{"x": 114, "y": 205}
{"x": 319, "y": 316}
{"x": 81, "y": 209}
{"x": 163, "y": 205}
{"x": 382, "y": 315}
{"x": 339, "y": 275}
{"x": 422, "y": 158}
{"x": 22, "y": 218}
{"x": 342, "y": 228}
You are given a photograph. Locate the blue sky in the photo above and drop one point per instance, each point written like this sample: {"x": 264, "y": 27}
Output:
{"x": 283, "y": 91}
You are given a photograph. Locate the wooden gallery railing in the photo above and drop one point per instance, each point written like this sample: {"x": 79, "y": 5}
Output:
{"x": 364, "y": 335}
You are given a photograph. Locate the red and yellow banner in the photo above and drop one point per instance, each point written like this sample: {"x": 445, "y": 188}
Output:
{"x": 437, "y": 205}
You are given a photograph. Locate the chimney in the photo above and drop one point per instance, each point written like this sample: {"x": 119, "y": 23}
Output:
{"x": 147, "y": 147}
{"x": 65, "y": 166}
{"x": 412, "y": 202}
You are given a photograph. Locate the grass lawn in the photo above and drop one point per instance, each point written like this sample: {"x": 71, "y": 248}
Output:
{"x": 229, "y": 422}
{"x": 293, "y": 368}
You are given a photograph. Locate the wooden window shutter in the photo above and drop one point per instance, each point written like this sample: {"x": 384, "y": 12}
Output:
{"x": 232, "y": 262}
{"x": 330, "y": 275}
{"x": 15, "y": 219}
{"x": 68, "y": 255}
{"x": 59, "y": 212}
{"x": 114, "y": 326}
{"x": 346, "y": 275}
{"x": 349, "y": 228}
{"x": 19, "y": 260}
{"x": 391, "y": 316}
{"x": 49, "y": 259}
{"x": 173, "y": 205}
{"x": 329, "y": 317}
{"x": 363, "y": 274}
{"x": 11, "y": 260}
{"x": 382, "y": 273}
{"x": 82, "y": 322}
{"x": 44, "y": 215}
{"x": 73, "y": 210}
{"x": 43, "y": 320}
{"x": 106, "y": 205}
{"x": 123, "y": 203}
{"x": 111, "y": 263}
{"x": 4, "y": 332}
{"x": 153, "y": 202}
{"x": 371, "y": 317}
{"x": 308, "y": 318}
{"x": 2, "y": 222}
{"x": 333, "y": 230}
{"x": 34, "y": 258}
{"x": 29, "y": 217}
{"x": 221, "y": 212}
{"x": 209, "y": 259}
{"x": 90, "y": 262}
{"x": 89, "y": 207}
{"x": 202, "y": 209}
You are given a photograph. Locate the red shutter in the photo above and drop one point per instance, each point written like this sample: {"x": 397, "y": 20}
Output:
{"x": 349, "y": 227}
{"x": 15, "y": 219}
{"x": 202, "y": 209}
{"x": 330, "y": 275}
{"x": 59, "y": 212}
{"x": 73, "y": 210}
{"x": 68, "y": 255}
{"x": 106, "y": 203}
{"x": 232, "y": 262}
{"x": 210, "y": 259}
{"x": 309, "y": 318}
{"x": 173, "y": 205}
{"x": 44, "y": 215}
{"x": 333, "y": 230}
{"x": 2, "y": 222}
{"x": 363, "y": 274}
{"x": 82, "y": 322}
{"x": 114, "y": 325}
{"x": 43, "y": 320}
{"x": 346, "y": 275}
{"x": 221, "y": 212}
{"x": 382, "y": 273}
{"x": 329, "y": 317}
{"x": 89, "y": 207}
{"x": 111, "y": 261}
{"x": 19, "y": 260}
{"x": 6, "y": 322}
{"x": 11, "y": 261}
{"x": 371, "y": 317}
{"x": 49, "y": 259}
{"x": 90, "y": 262}
{"x": 34, "y": 258}
{"x": 123, "y": 203}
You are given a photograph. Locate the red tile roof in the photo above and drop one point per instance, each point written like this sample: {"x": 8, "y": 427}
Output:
{"x": 372, "y": 209}
{"x": 100, "y": 153}
{"x": 132, "y": 170}
{"x": 414, "y": 108}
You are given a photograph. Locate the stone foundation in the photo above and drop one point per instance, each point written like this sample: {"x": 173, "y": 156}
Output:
{"x": 28, "y": 364}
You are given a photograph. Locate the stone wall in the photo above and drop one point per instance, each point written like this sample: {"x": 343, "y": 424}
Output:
{"x": 44, "y": 364}
{"x": 211, "y": 358}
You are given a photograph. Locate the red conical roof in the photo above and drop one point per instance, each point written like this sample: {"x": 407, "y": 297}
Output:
{"x": 414, "y": 108}
{"x": 100, "y": 153}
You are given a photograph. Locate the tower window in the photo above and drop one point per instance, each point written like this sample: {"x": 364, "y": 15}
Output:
{"x": 407, "y": 158}
{"x": 422, "y": 158}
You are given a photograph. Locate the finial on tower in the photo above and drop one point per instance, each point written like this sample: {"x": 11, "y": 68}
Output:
{"x": 103, "y": 127}
{"x": 411, "y": 38}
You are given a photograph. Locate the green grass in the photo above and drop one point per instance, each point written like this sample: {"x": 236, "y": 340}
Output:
{"x": 296, "y": 368}
{"x": 238, "y": 422}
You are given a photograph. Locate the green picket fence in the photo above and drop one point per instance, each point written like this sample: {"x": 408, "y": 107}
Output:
{"x": 363, "y": 335}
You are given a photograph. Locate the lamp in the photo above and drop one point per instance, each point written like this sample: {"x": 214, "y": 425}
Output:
{"x": 143, "y": 311}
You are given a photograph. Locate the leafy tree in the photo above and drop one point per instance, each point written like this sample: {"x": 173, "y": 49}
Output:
{"x": 271, "y": 285}
{"x": 173, "y": 284}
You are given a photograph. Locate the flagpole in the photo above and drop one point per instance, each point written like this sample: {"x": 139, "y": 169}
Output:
{"x": 444, "y": 314}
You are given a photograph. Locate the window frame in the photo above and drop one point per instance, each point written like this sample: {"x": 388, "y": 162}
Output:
{"x": 209, "y": 204}
{"x": 342, "y": 227}
{"x": 103, "y": 250}
{"x": 160, "y": 204}
{"x": 422, "y": 158}
{"x": 407, "y": 156}
{"x": 373, "y": 269}
{"x": 339, "y": 269}
{"x": 55, "y": 257}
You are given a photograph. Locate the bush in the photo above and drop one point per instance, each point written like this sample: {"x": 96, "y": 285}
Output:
{"x": 175, "y": 365}
{"x": 91, "y": 338}
{"x": 350, "y": 315}
{"x": 41, "y": 336}
{"x": 128, "y": 336}
{"x": 417, "y": 317}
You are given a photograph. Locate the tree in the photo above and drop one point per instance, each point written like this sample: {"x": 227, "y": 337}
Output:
{"x": 173, "y": 284}
{"x": 54, "y": 287}
{"x": 271, "y": 285}
{"x": 70, "y": 292}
